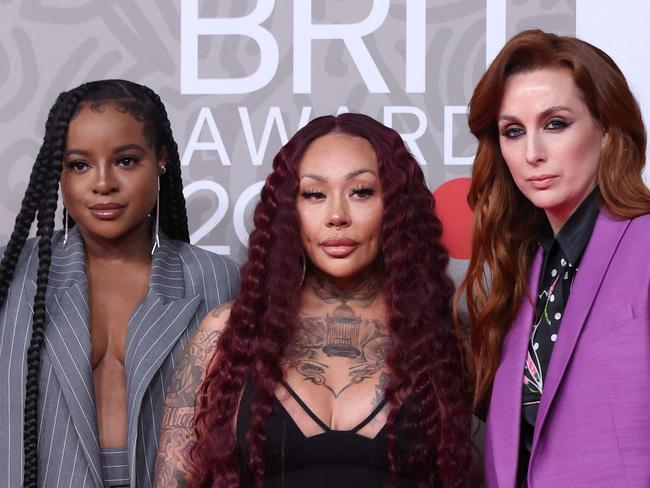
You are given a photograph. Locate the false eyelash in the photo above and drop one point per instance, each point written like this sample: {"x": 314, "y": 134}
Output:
{"x": 363, "y": 190}
{"x": 311, "y": 193}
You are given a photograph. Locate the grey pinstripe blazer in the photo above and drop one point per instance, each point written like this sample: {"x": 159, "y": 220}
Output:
{"x": 186, "y": 282}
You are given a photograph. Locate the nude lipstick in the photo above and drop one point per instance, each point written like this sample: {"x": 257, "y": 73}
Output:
{"x": 107, "y": 211}
{"x": 542, "y": 182}
{"x": 339, "y": 247}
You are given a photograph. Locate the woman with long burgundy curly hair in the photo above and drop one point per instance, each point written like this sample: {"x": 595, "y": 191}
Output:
{"x": 338, "y": 364}
{"x": 558, "y": 287}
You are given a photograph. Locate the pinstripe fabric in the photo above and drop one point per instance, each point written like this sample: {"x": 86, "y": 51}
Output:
{"x": 185, "y": 283}
{"x": 115, "y": 466}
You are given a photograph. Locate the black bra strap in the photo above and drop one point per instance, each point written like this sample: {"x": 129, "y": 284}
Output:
{"x": 372, "y": 415}
{"x": 322, "y": 424}
{"x": 304, "y": 406}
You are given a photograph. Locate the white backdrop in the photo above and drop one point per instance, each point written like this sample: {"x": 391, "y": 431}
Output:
{"x": 622, "y": 29}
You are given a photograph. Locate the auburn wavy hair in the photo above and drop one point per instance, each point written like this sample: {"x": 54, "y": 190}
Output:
{"x": 506, "y": 224}
{"x": 424, "y": 358}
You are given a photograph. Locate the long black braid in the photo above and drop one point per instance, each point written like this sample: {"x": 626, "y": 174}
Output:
{"x": 172, "y": 203}
{"x": 40, "y": 202}
{"x": 27, "y": 212}
{"x": 55, "y": 142}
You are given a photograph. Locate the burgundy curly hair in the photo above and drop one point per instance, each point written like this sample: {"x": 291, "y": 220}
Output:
{"x": 424, "y": 359}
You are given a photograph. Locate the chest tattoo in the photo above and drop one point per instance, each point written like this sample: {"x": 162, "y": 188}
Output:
{"x": 342, "y": 337}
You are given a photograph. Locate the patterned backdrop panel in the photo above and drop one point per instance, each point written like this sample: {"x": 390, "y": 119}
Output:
{"x": 241, "y": 76}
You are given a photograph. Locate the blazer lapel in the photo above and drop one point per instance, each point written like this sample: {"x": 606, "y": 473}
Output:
{"x": 154, "y": 328}
{"x": 68, "y": 343}
{"x": 504, "y": 417}
{"x": 604, "y": 240}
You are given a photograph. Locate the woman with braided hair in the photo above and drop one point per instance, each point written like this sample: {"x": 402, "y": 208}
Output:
{"x": 338, "y": 364}
{"x": 93, "y": 317}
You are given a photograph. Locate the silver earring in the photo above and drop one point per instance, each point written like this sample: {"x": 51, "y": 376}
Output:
{"x": 156, "y": 237}
{"x": 65, "y": 226}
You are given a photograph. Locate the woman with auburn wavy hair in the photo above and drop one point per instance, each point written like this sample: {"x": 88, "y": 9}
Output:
{"x": 338, "y": 364}
{"x": 558, "y": 286}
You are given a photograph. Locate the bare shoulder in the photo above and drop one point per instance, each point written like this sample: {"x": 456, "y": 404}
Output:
{"x": 193, "y": 363}
{"x": 218, "y": 317}
{"x": 213, "y": 325}
{"x": 205, "y": 339}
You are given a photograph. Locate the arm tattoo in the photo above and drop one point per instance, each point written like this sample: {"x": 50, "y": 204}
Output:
{"x": 177, "y": 430}
{"x": 190, "y": 369}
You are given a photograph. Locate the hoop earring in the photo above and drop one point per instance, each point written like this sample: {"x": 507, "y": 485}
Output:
{"x": 304, "y": 269}
{"x": 156, "y": 236}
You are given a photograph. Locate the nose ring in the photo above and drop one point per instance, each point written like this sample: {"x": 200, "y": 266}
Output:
{"x": 338, "y": 227}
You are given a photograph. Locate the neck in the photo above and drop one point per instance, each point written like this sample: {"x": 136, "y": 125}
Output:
{"x": 557, "y": 217}
{"x": 361, "y": 289}
{"x": 133, "y": 246}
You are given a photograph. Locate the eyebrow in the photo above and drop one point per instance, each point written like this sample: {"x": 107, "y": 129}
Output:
{"x": 117, "y": 150}
{"x": 545, "y": 113}
{"x": 128, "y": 147}
{"x": 349, "y": 176}
{"x": 80, "y": 152}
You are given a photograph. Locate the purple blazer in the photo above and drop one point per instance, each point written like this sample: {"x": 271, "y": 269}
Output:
{"x": 593, "y": 424}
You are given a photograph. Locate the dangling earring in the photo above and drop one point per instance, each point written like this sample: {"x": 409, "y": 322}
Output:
{"x": 156, "y": 236}
{"x": 65, "y": 226}
{"x": 304, "y": 269}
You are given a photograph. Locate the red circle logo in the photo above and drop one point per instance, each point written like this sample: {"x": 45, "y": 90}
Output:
{"x": 453, "y": 211}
